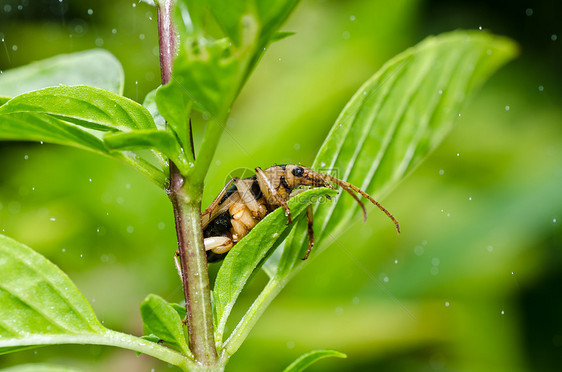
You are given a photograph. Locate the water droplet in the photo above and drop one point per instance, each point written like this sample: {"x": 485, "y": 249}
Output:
{"x": 502, "y": 312}
{"x": 541, "y": 88}
{"x": 458, "y": 154}
{"x": 553, "y": 37}
{"x": 322, "y": 164}
{"x": 346, "y": 35}
{"x": 418, "y": 250}
{"x": 529, "y": 12}
{"x": 275, "y": 235}
{"x": 435, "y": 261}
{"x": 52, "y": 219}
{"x": 141, "y": 36}
{"x": 297, "y": 146}
{"x": 63, "y": 250}
{"x": 339, "y": 310}
{"x": 480, "y": 28}
{"x": 290, "y": 344}
{"x": 396, "y": 262}
{"x": 352, "y": 18}
{"x": 90, "y": 179}
{"x": 134, "y": 5}
{"x": 490, "y": 248}
{"x": 355, "y": 300}
{"x": 554, "y": 220}
{"x": 440, "y": 91}
{"x": 161, "y": 225}
{"x": 446, "y": 303}
{"x": 441, "y": 172}
{"x": 26, "y": 157}
{"x": 506, "y": 108}
{"x": 130, "y": 229}
{"x": 90, "y": 11}
{"x": 114, "y": 31}
{"x": 434, "y": 270}
{"x": 386, "y": 279}
{"x": 470, "y": 198}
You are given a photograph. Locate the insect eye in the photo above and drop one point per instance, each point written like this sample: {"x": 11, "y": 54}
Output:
{"x": 297, "y": 171}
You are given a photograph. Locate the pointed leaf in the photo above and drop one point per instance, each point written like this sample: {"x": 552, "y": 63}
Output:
{"x": 244, "y": 259}
{"x": 162, "y": 320}
{"x": 399, "y": 115}
{"x": 95, "y": 67}
{"x": 305, "y": 360}
{"x": 82, "y": 105}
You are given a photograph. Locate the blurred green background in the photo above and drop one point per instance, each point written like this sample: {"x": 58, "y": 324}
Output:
{"x": 472, "y": 284}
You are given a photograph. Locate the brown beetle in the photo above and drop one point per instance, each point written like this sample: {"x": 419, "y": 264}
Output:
{"x": 242, "y": 203}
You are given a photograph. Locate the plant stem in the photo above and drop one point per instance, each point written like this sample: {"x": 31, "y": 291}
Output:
{"x": 185, "y": 196}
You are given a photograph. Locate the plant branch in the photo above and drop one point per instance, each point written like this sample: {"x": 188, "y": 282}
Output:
{"x": 185, "y": 196}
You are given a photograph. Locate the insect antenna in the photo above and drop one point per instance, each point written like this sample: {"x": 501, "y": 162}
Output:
{"x": 349, "y": 187}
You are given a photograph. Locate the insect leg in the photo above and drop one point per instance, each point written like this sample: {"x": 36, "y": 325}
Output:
{"x": 218, "y": 244}
{"x": 310, "y": 231}
{"x": 273, "y": 192}
{"x": 249, "y": 199}
{"x": 209, "y": 213}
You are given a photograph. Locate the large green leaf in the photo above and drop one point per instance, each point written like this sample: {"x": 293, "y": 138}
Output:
{"x": 394, "y": 120}
{"x": 95, "y": 67}
{"x": 305, "y": 360}
{"x": 82, "y": 105}
{"x": 39, "y": 305}
{"x": 398, "y": 116}
{"x": 162, "y": 320}
{"x": 246, "y": 257}
{"x": 38, "y": 301}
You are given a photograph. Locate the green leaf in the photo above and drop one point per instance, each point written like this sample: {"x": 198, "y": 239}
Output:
{"x": 86, "y": 106}
{"x": 398, "y": 116}
{"x": 162, "y": 320}
{"x": 394, "y": 120}
{"x": 174, "y": 104}
{"x": 246, "y": 257}
{"x": 95, "y": 67}
{"x": 39, "y": 367}
{"x": 150, "y": 104}
{"x": 38, "y": 300}
{"x": 240, "y": 17}
{"x": 305, "y": 360}
{"x": 39, "y": 305}
{"x": 27, "y": 126}
{"x": 4, "y": 100}
{"x": 160, "y": 140}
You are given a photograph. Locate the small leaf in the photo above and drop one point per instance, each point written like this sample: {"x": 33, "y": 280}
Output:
{"x": 150, "y": 104}
{"x": 305, "y": 360}
{"x": 246, "y": 256}
{"x": 86, "y": 106}
{"x": 174, "y": 104}
{"x": 37, "y": 300}
{"x": 162, "y": 320}
{"x": 282, "y": 35}
{"x": 160, "y": 140}
{"x": 96, "y": 67}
